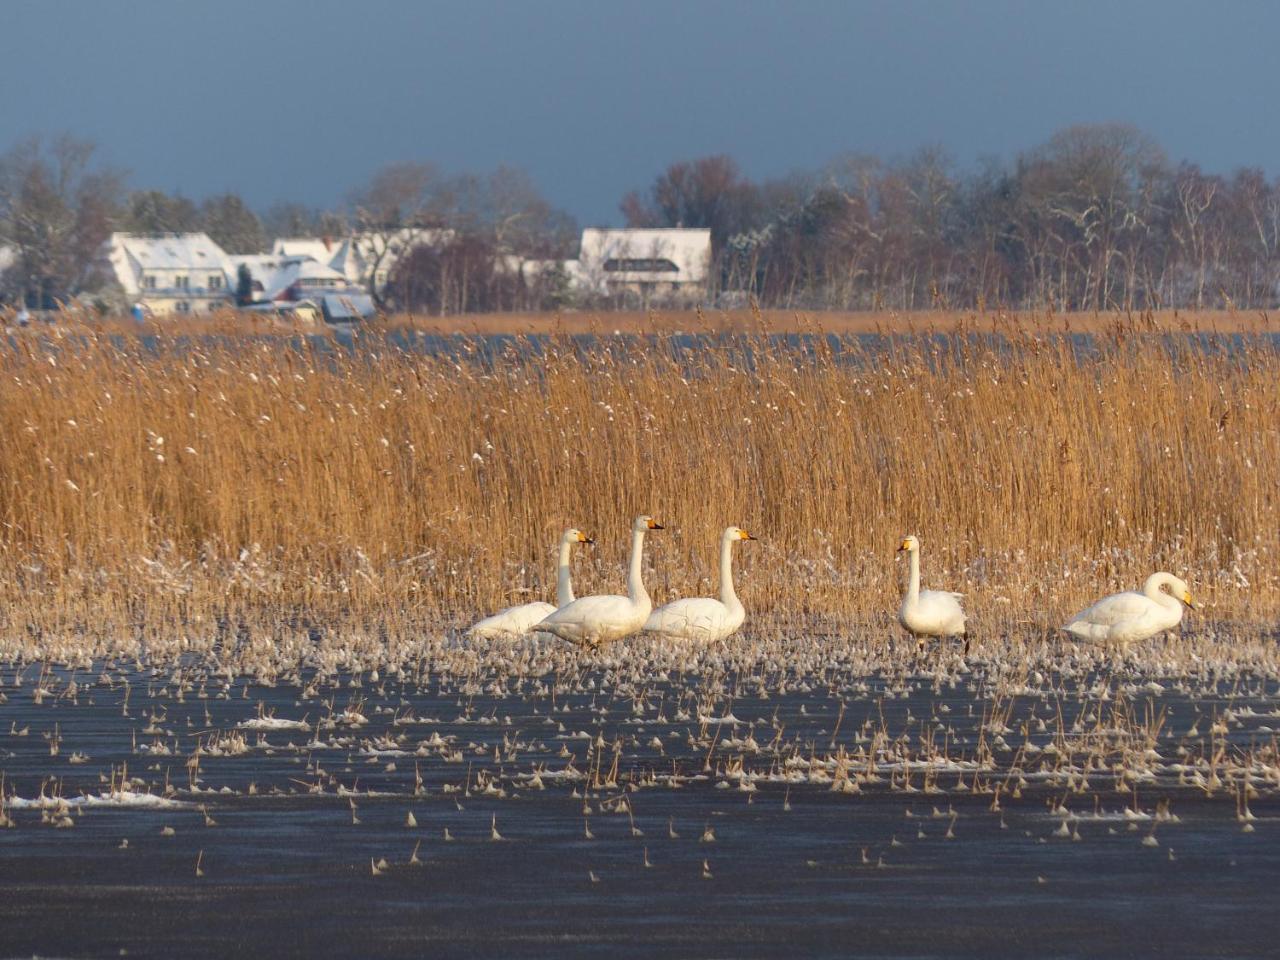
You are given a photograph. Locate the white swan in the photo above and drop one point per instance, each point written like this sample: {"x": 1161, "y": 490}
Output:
{"x": 705, "y": 618}
{"x": 929, "y": 613}
{"x": 591, "y": 621}
{"x": 1128, "y": 616}
{"x": 518, "y": 620}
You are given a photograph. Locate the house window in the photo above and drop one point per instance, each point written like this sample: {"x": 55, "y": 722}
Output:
{"x": 215, "y": 281}
{"x": 180, "y": 282}
{"x": 182, "y": 306}
{"x": 646, "y": 265}
{"x": 149, "y": 282}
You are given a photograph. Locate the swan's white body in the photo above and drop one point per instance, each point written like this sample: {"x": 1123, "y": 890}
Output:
{"x": 592, "y": 621}
{"x": 518, "y": 620}
{"x": 705, "y": 618}
{"x": 928, "y": 613}
{"x": 1132, "y": 615}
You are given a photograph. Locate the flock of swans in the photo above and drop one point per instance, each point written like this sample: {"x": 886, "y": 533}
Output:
{"x": 592, "y": 621}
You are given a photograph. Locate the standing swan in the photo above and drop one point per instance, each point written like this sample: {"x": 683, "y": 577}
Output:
{"x": 705, "y": 618}
{"x": 1128, "y": 616}
{"x": 591, "y": 621}
{"x": 929, "y": 613}
{"x": 520, "y": 619}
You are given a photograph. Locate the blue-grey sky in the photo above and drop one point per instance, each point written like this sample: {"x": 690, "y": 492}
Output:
{"x": 304, "y": 99}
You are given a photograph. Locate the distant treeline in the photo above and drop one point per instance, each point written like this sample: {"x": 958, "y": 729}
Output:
{"x": 1096, "y": 217}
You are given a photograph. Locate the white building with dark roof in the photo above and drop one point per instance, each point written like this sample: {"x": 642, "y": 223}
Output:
{"x": 183, "y": 273}
{"x": 671, "y": 263}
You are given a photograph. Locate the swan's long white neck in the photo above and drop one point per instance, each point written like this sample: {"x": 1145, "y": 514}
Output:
{"x": 1151, "y": 590}
{"x": 564, "y": 588}
{"x": 727, "y": 595}
{"x": 635, "y": 582}
{"x": 913, "y": 585}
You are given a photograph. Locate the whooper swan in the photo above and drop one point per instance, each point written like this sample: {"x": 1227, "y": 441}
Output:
{"x": 520, "y": 619}
{"x": 705, "y": 618}
{"x": 929, "y": 613}
{"x": 591, "y": 621}
{"x": 1129, "y": 616}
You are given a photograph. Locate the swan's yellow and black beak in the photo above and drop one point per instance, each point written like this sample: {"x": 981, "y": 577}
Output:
{"x": 583, "y": 538}
{"x": 1186, "y": 598}
{"x": 905, "y": 545}
{"x": 655, "y": 525}
{"x": 742, "y": 534}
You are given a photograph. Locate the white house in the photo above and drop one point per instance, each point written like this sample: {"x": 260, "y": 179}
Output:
{"x": 362, "y": 257}
{"x": 671, "y": 264}
{"x": 286, "y": 278}
{"x": 171, "y": 273}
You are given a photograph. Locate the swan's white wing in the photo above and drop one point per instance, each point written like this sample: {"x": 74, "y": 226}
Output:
{"x": 588, "y": 609}
{"x": 596, "y": 620}
{"x": 513, "y": 621}
{"x": 938, "y": 612}
{"x": 1111, "y": 610}
{"x": 692, "y": 618}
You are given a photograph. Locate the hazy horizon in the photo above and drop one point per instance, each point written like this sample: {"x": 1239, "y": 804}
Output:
{"x": 303, "y": 102}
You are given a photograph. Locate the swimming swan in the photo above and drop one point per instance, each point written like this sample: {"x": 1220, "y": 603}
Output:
{"x": 591, "y": 621}
{"x": 705, "y": 618}
{"x": 520, "y": 619}
{"x": 1128, "y": 616}
{"x": 929, "y": 613}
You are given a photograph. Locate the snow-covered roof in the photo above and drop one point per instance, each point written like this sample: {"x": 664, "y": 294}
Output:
{"x": 320, "y": 249}
{"x": 347, "y": 307}
{"x": 176, "y": 251}
{"x": 674, "y": 255}
{"x": 275, "y": 274}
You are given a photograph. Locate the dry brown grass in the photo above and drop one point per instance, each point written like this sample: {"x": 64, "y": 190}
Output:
{"x": 175, "y": 488}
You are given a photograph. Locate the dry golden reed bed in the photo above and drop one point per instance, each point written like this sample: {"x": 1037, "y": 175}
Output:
{"x": 181, "y": 487}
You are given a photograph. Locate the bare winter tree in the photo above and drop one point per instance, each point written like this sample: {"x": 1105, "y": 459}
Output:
{"x": 393, "y": 214}
{"x": 1090, "y": 187}
{"x": 709, "y": 192}
{"x": 56, "y": 210}
{"x": 521, "y": 220}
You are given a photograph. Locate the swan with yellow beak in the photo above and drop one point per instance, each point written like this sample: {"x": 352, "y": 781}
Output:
{"x": 1133, "y": 615}
{"x": 592, "y": 621}
{"x": 705, "y": 618}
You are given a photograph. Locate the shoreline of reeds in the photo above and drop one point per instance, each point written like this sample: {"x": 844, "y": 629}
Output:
{"x": 198, "y": 482}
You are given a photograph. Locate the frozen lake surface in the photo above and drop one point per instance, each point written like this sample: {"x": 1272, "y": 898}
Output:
{"x": 939, "y": 812}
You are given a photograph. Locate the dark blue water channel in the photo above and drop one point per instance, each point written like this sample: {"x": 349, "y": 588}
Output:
{"x": 491, "y": 351}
